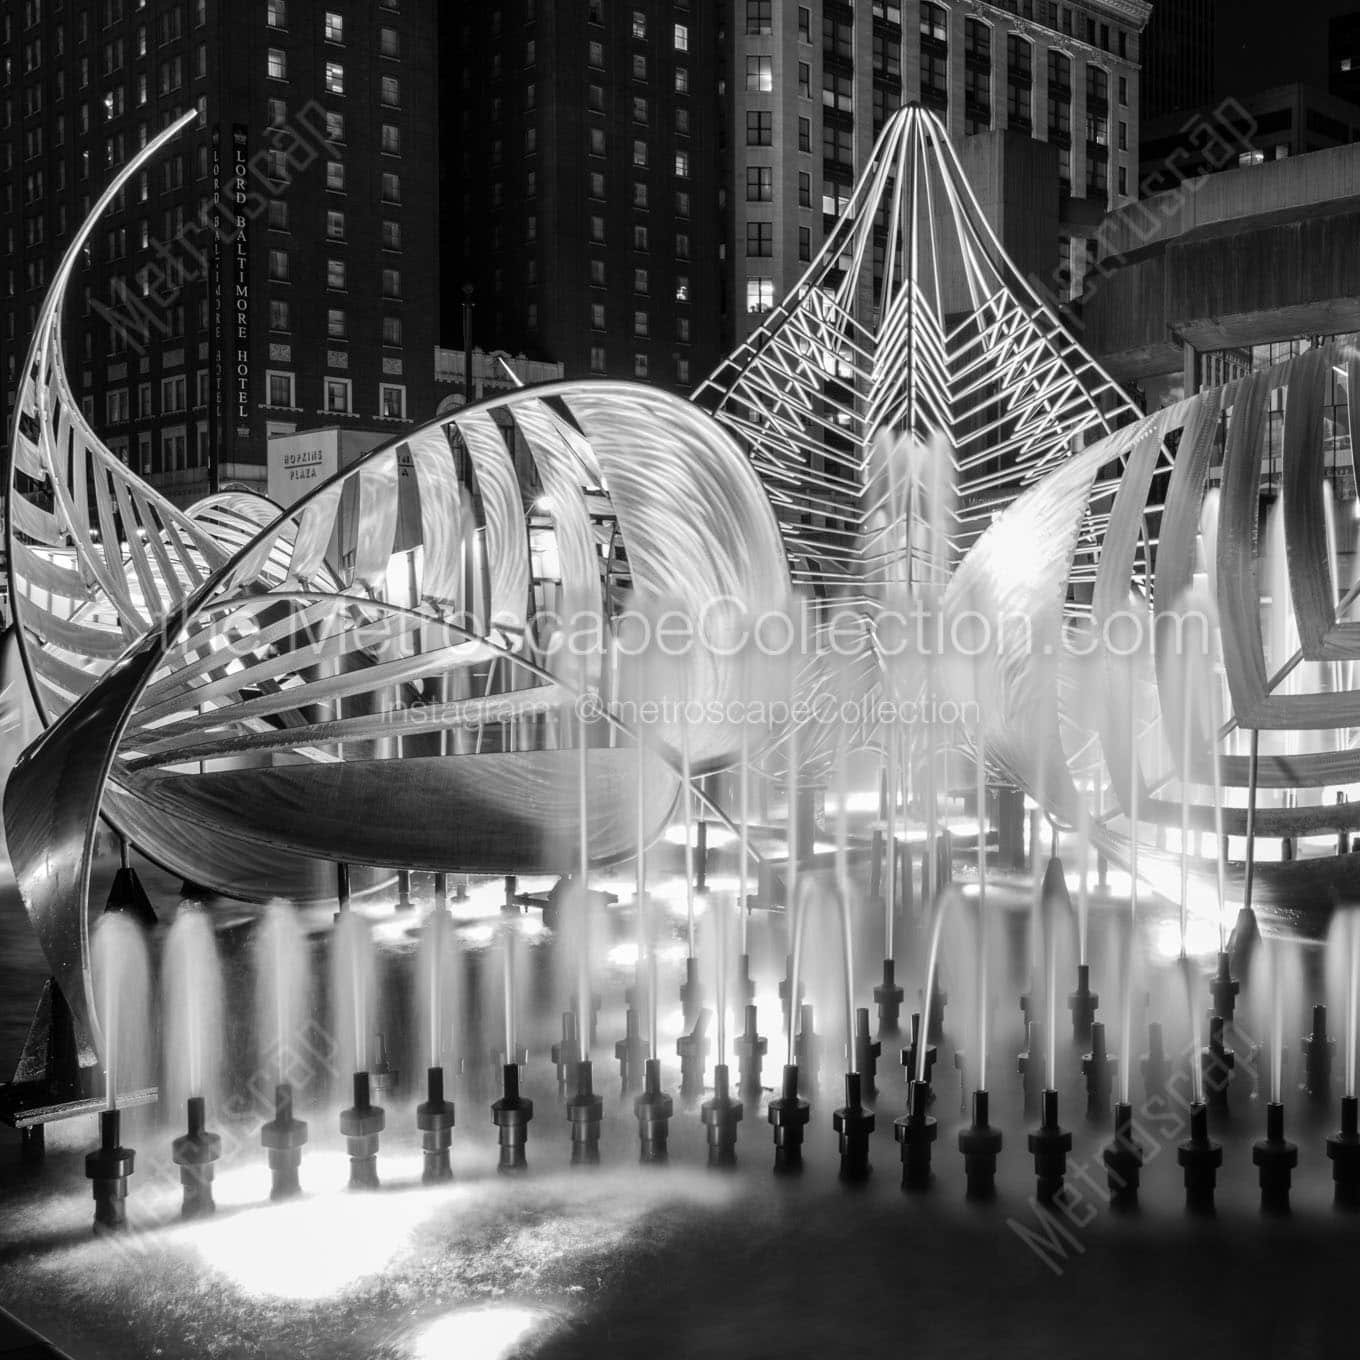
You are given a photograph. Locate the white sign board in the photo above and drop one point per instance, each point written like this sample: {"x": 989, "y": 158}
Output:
{"x": 299, "y": 463}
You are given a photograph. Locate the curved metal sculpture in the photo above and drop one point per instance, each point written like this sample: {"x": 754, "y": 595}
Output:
{"x": 386, "y": 673}
{"x": 378, "y": 675}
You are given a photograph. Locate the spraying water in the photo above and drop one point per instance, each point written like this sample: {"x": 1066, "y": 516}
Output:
{"x": 122, "y": 989}
{"x": 1135, "y": 789}
{"x": 982, "y": 941}
{"x": 944, "y": 904}
{"x": 352, "y": 990}
{"x": 1276, "y": 1023}
{"x": 435, "y": 962}
{"x": 282, "y": 986}
{"x": 1352, "y": 999}
{"x": 191, "y": 1007}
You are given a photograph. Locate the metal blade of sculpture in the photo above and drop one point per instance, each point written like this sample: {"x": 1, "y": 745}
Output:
{"x": 374, "y": 675}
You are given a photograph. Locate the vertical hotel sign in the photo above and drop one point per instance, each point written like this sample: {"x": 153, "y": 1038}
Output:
{"x": 240, "y": 319}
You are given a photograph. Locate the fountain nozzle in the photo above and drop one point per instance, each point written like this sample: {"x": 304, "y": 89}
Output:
{"x": 867, "y": 1051}
{"x": 1156, "y": 1068}
{"x": 1216, "y": 1066}
{"x": 511, "y": 1115}
{"x": 1344, "y": 1150}
{"x": 910, "y": 1056}
{"x": 751, "y": 1048}
{"x": 653, "y": 1110}
{"x": 808, "y": 1047}
{"x": 720, "y": 1117}
{"x": 888, "y": 998}
{"x": 282, "y": 1139}
{"x": 1030, "y": 1065}
{"x": 980, "y": 1145}
{"x": 1050, "y": 1143}
{"x": 434, "y": 1119}
{"x": 361, "y": 1125}
{"x": 853, "y": 1125}
{"x": 1201, "y": 1157}
{"x": 109, "y": 1167}
{"x": 631, "y": 1052}
{"x": 1123, "y": 1158}
{"x": 1223, "y": 987}
{"x": 1277, "y": 1157}
{"x": 1317, "y": 1059}
{"x": 566, "y": 1052}
{"x": 693, "y": 1049}
{"x": 789, "y": 1115}
{"x": 1082, "y": 1003}
{"x": 585, "y": 1113}
{"x": 691, "y": 991}
{"x": 382, "y": 1075}
{"x": 916, "y": 1131}
{"x": 196, "y": 1153}
{"x": 1098, "y": 1067}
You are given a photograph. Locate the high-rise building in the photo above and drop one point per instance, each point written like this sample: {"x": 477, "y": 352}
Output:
{"x": 1343, "y": 57}
{"x": 636, "y": 183}
{"x": 1178, "y": 57}
{"x": 276, "y": 270}
{"x": 581, "y": 190}
{"x": 813, "y": 85}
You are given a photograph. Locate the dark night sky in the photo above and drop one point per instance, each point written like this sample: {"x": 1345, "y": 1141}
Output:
{"x": 1273, "y": 42}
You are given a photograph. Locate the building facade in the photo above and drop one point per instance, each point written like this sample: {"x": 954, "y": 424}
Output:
{"x": 813, "y": 84}
{"x": 1343, "y": 57}
{"x": 1178, "y": 57}
{"x": 276, "y": 269}
{"x": 1270, "y": 125}
{"x": 582, "y": 187}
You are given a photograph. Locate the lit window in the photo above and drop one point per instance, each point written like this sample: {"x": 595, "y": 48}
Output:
{"x": 390, "y": 91}
{"x": 760, "y": 74}
{"x": 759, "y": 295}
{"x": 682, "y": 164}
{"x": 597, "y": 316}
{"x": 278, "y": 264}
{"x": 335, "y": 226}
{"x": 639, "y": 24}
{"x": 391, "y": 283}
{"x": 640, "y": 153}
{"x": 392, "y": 401}
{"x": 682, "y": 38}
{"x": 640, "y": 281}
{"x": 639, "y": 365}
{"x": 335, "y": 273}
{"x": 275, "y": 15}
{"x": 391, "y": 330}
{"x": 641, "y": 325}
{"x": 391, "y": 188}
{"x": 681, "y": 80}
{"x": 391, "y": 234}
{"x": 335, "y": 323}
{"x": 389, "y": 43}
{"x": 335, "y": 27}
{"x": 335, "y": 78}
{"x": 335, "y": 175}
{"x": 277, "y": 64}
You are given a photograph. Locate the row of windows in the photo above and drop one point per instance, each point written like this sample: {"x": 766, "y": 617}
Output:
{"x": 333, "y": 78}
{"x": 281, "y": 391}
{"x": 281, "y": 320}
{"x": 641, "y": 280}
{"x": 333, "y": 26}
{"x": 280, "y": 271}
{"x": 641, "y": 364}
{"x": 642, "y": 323}
{"x": 337, "y": 395}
